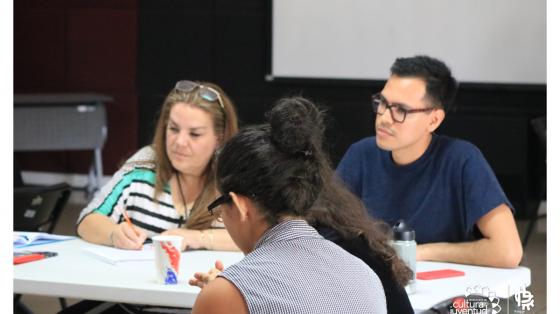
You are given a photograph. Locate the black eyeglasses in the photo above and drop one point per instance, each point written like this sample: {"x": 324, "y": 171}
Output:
{"x": 214, "y": 207}
{"x": 398, "y": 112}
{"x": 205, "y": 92}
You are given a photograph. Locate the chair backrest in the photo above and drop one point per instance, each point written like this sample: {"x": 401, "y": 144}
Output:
{"x": 37, "y": 208}
{"x": 18, "y": 179}
{"x": 539, "y": 126}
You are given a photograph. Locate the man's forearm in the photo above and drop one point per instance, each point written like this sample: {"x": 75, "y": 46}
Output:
{"x": 482, "y": 252}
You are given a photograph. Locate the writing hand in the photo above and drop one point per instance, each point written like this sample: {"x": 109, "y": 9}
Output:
{"x": 128, "y": 237}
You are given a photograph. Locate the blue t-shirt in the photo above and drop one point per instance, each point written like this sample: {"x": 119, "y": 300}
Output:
{"x": 441, "y": 195}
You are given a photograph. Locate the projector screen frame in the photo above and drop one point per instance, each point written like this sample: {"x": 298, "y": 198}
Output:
{"x": 282, "y": 80}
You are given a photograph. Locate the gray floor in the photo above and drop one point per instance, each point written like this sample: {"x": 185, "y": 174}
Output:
{"x": 535, "y": 259}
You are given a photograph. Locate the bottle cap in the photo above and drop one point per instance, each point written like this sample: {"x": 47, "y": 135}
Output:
{"x": 402, "y": 232}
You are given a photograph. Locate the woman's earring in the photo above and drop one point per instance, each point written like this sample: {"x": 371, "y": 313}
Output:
{"x": 217, "y": 152}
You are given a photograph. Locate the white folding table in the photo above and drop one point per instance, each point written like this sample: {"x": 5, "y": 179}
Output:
{"x": 75, "y": 274}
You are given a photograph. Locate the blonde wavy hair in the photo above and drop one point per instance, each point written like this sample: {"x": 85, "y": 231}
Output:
{"x": 225, "y": 126}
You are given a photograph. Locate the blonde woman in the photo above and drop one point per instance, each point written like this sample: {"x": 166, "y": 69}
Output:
{"x": 166, "y": 187}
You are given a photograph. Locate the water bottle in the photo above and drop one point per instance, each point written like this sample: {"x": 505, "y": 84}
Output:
{"x": 405, "y": 245}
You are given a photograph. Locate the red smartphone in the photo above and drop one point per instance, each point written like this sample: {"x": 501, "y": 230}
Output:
{"x": 438, "y": 274}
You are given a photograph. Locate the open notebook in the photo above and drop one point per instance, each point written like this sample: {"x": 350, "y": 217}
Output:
{"x": 25, "y": 239}
{"x": 112, "y": 255}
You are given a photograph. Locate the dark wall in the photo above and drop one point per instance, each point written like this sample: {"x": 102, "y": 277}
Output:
{"x": 227, "y": 42}
{"x": 77, "y": 47}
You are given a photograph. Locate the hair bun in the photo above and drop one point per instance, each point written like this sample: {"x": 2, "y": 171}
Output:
{"x": 296, "y": 126}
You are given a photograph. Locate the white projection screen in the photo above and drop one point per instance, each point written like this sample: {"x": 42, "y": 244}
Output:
{"x": 483, "y": 41}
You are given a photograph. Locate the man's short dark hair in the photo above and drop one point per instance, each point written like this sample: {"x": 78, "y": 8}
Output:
{"x": 441, "y": 86}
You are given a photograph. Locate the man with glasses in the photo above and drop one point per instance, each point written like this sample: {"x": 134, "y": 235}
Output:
{"x": 442, "y": 187}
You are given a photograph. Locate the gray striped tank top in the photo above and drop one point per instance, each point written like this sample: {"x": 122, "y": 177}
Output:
{"x": 293, "y": 269}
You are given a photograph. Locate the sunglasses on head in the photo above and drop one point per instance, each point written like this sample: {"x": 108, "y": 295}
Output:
{"x": 205, "y": 92}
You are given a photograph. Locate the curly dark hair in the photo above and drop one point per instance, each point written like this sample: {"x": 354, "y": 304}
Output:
{"x": 283, "y": 168}
{"x": 275, "y": 163}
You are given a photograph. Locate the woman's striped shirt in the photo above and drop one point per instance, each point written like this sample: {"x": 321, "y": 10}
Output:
{"x": 132, "y": 188}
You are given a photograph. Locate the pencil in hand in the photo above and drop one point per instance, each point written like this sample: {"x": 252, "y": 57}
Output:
{"x": 125, "y": 215}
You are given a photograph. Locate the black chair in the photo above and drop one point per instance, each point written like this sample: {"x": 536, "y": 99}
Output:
{"x": 37, "y": 208}
{"x": 539, "y": 127}
{"x": 18, "y": 180}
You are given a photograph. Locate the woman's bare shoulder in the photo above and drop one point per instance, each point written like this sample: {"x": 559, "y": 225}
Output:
{"x": 220, "y": 296}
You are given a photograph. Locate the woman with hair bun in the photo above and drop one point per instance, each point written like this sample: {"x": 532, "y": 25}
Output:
{"x": 271, "y": 177}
